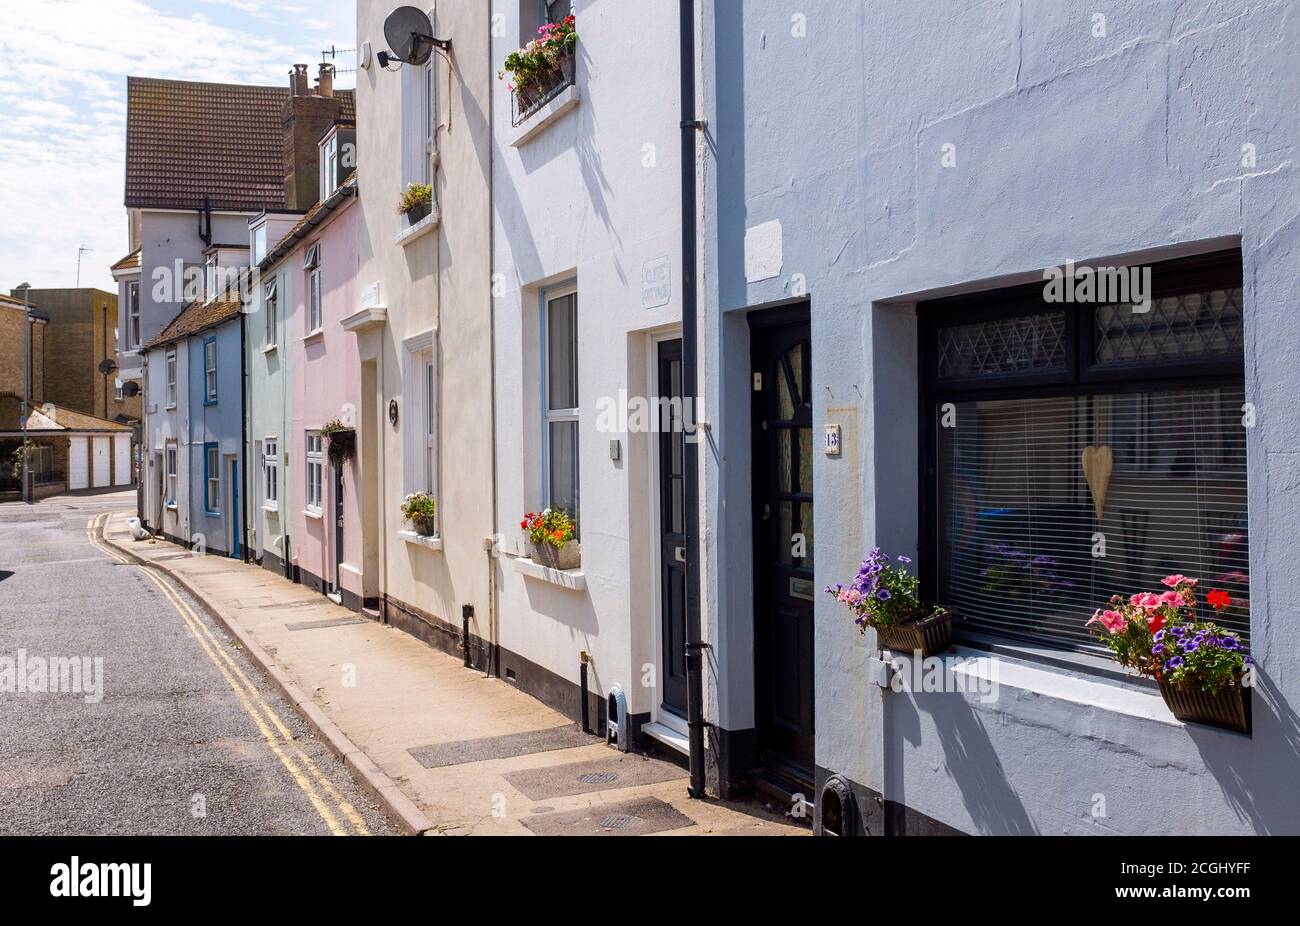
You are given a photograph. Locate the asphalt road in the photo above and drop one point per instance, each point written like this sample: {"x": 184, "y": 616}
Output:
{"x": 189, "y": 738}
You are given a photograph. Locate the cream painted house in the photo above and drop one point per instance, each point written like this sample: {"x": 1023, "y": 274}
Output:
{"x": 423, "y": 325}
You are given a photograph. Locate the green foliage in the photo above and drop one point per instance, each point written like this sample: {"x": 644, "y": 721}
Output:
{"x": 416, "y": 195}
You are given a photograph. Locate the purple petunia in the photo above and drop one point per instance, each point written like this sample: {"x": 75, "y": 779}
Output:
{"x": 1229, "y": 643}
{"x": 1174, "y": 663}
{"x": 1159, "y": 635}
{"x": 884, "y": 594}
{"x": 1157, "y": 649}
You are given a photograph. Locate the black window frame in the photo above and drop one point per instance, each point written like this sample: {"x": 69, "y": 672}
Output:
{"x": 1082, "y": 377}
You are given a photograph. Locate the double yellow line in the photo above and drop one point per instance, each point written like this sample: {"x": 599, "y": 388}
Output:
{"x": 331, "y": 805}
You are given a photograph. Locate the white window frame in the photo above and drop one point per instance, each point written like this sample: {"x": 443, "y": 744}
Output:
{"x": 420, "y": 387}
{"x": 315, "y": 472}
{"x": 271, "y": 309}
{"x": 171, "y": 454}
{"x": 210, "y": 277}
{"x": 553, "y": 416}
{"x": 212, "y": 471}
{"x": 329, "y": 165}
{"x": 210, "y": 370}
{"x": 418, "y": 124}
{"x": 169, "y": 366}
{"x": 271, "y": 471}
{"x": 133, "y": 315}
{"x": 312, "y": 264}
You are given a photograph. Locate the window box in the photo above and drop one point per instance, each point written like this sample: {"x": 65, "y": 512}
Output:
{"x": 1227, "y": 708}
{"x": 421, "y": 228}
{"x": 929, "y": 636}
{"x": 545, "y": 116}
{"x": 531, "y": 96}
{"x": 568, "y": 556}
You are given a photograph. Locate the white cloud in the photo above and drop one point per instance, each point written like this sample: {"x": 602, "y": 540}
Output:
{"x": 63, "y": 101}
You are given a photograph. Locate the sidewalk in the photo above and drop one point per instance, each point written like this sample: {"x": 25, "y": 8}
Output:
{"x": 444, "y": 748}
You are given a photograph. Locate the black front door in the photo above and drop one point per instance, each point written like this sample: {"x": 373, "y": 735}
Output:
{"x": 338, "y": 529}
{"x": 672, "y": 536}
{"x": 783, "y": 543}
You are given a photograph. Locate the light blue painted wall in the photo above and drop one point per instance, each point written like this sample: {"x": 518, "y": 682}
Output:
{"x": 219, "y": 423}
{"x": 1068, "y": 145}
{"x": 269, "y": 409}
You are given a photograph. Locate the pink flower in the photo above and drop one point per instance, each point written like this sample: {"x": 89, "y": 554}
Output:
{"x": 1145, "y": 600}
{"x": 1113, "y": 621}
{"x": 1173, "y": 599}
{"x": 1176, "y": 580}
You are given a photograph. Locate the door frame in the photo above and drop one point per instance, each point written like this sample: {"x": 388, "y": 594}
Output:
{"x": 235, "y": 546}
{"x": 759, "y": 321}
{"x": 657, "y": 712}
{"x": 336, "y": 529}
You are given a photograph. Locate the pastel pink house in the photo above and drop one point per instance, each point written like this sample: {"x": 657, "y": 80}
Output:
{"x": 327, "y": 526}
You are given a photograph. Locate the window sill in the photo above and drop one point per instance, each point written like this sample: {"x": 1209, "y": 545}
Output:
{"x": 419, "y": 229}
{"x": 575, "y": 580}
{"x": 419, "y": 540}
{"x": 549, "y": 114}
{"x": 311, "y": 336}
{"x": 271, "y": 509}
{"x": 316, "y": 515}
{"x": 170, "y": 408}
{"x": 270, "y": 348}
{"x": 170, "y": 506}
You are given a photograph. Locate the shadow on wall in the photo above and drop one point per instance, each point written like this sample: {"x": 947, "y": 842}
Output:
{"x": 1258, "y": 775}
{"x": 970, "y": 761}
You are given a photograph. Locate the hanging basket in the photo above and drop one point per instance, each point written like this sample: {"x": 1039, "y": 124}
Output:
{"x": 342, "y": 446}
{"x": 929, "y": 635}
{"x": 1227, "y": 708}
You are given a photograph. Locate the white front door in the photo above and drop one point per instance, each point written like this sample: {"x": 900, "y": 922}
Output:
{"x": 78, "y": 463}
{"x": 101, "y": 449}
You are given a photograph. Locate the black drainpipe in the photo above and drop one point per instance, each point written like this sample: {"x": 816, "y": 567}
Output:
{"x": 690, "y": 388}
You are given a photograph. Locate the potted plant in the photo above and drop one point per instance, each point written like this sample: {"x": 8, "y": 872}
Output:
{"x": 883, "y": 595}
{"x": 542, "y": 65}
{"x": 341, "y": 440}
{"x": 551, "y": 534}
{"x": 1202, "y": 671}
{"x": 417, "y": 202}
{"x": 420, "y": 509}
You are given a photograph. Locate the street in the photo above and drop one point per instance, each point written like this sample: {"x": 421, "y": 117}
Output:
{"x": 188, "y": 737}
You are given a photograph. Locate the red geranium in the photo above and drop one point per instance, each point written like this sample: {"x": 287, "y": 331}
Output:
{"x": 1218, "y": 599}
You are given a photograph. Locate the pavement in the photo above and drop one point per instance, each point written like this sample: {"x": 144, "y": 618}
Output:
{"x": 165, "y": 726}
{"x": 442, "y": 748}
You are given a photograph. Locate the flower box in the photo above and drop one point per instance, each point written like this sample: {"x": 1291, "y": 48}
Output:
{"x": 568, "y": 556}
{"x": 418, "y": 213}
{"x": 1227, "y": 707}
{"x": 929, "y": 635}
{"x": 425, "y": 527}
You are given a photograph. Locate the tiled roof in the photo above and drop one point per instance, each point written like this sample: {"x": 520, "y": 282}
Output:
{"x": 196, "y": 317}
{"x": 185, "y": 139}
{"x": 130, "y": 262}
{"x": 57, "y": 418}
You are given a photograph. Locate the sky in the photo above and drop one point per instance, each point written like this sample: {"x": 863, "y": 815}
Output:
{"x": 63, "y": 69}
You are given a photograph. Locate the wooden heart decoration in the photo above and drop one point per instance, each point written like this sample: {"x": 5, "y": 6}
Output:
{"x": 1098, "y": 461}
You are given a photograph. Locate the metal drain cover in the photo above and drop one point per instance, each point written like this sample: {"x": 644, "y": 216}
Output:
{"x": 619, "y": 821}
{"x": 598, "y": 778}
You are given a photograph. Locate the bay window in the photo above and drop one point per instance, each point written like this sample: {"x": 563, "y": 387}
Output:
{"x": 1073, "y": 451}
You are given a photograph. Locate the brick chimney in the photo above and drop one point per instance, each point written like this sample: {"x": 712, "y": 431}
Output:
{"x": 325, "y": 80}
{"x": 306, "y": 117}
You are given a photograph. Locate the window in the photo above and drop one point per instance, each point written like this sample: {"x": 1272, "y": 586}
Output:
{"x": 210, "y": 371}
{"x": 417, "y": 124}
{"x": 259, "y": 244}
{"x": 1078, "y": 451}
{"x": 420, "y": 386}
{"x": 117, "y": 390}
{"x": 171, "y": 377}
{"x": 554, "y": 11}
{"x": 271, "y": 471}
{"x": 312, "y": 265}
{"x": 169, "y": 470}
{"x": 133, "y": 316}
{"x": 210, "y": 277}
{"x": 212, "y": 479}
{"x": 560, "y": 402}
{"x": 329, "y": 166}
{"x": 315, "y": 470}
{"x": 271, "y": 309}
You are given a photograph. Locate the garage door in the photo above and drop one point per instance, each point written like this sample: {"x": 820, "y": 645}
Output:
{"x": 121, "y": 459}
{"x": 101, "y": 449}
{"x": 78, "y": 463}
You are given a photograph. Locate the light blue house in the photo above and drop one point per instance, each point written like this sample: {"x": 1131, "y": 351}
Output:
{"x": 888, "y": 188}
{"x": 200, "y": 355}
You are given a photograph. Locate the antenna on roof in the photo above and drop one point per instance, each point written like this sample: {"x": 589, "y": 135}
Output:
{"x": 81, "y": 250}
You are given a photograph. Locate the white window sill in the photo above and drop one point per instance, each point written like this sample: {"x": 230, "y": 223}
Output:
{"x": 270, "y": 348}
{"x": 315, "y": 335}
{"x": 170, "y": 408}
{"x": 170, "y": 506}
{"x": 419, "y": 229}
{"x": 417, "y": 540}
{"x": 315, "y": 515}
{"x": 539, "y": 121}
{"x": 271, "y": 509}
{"x": 572, "y": 579}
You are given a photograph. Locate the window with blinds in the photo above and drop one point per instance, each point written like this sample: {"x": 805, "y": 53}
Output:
{"x": 1084, "y": 451}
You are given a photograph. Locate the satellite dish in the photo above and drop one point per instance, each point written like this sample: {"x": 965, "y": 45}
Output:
{"x": 409, "y": 35}
{"x": 108, "y": 365}
{"x": 131, "y": 390}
